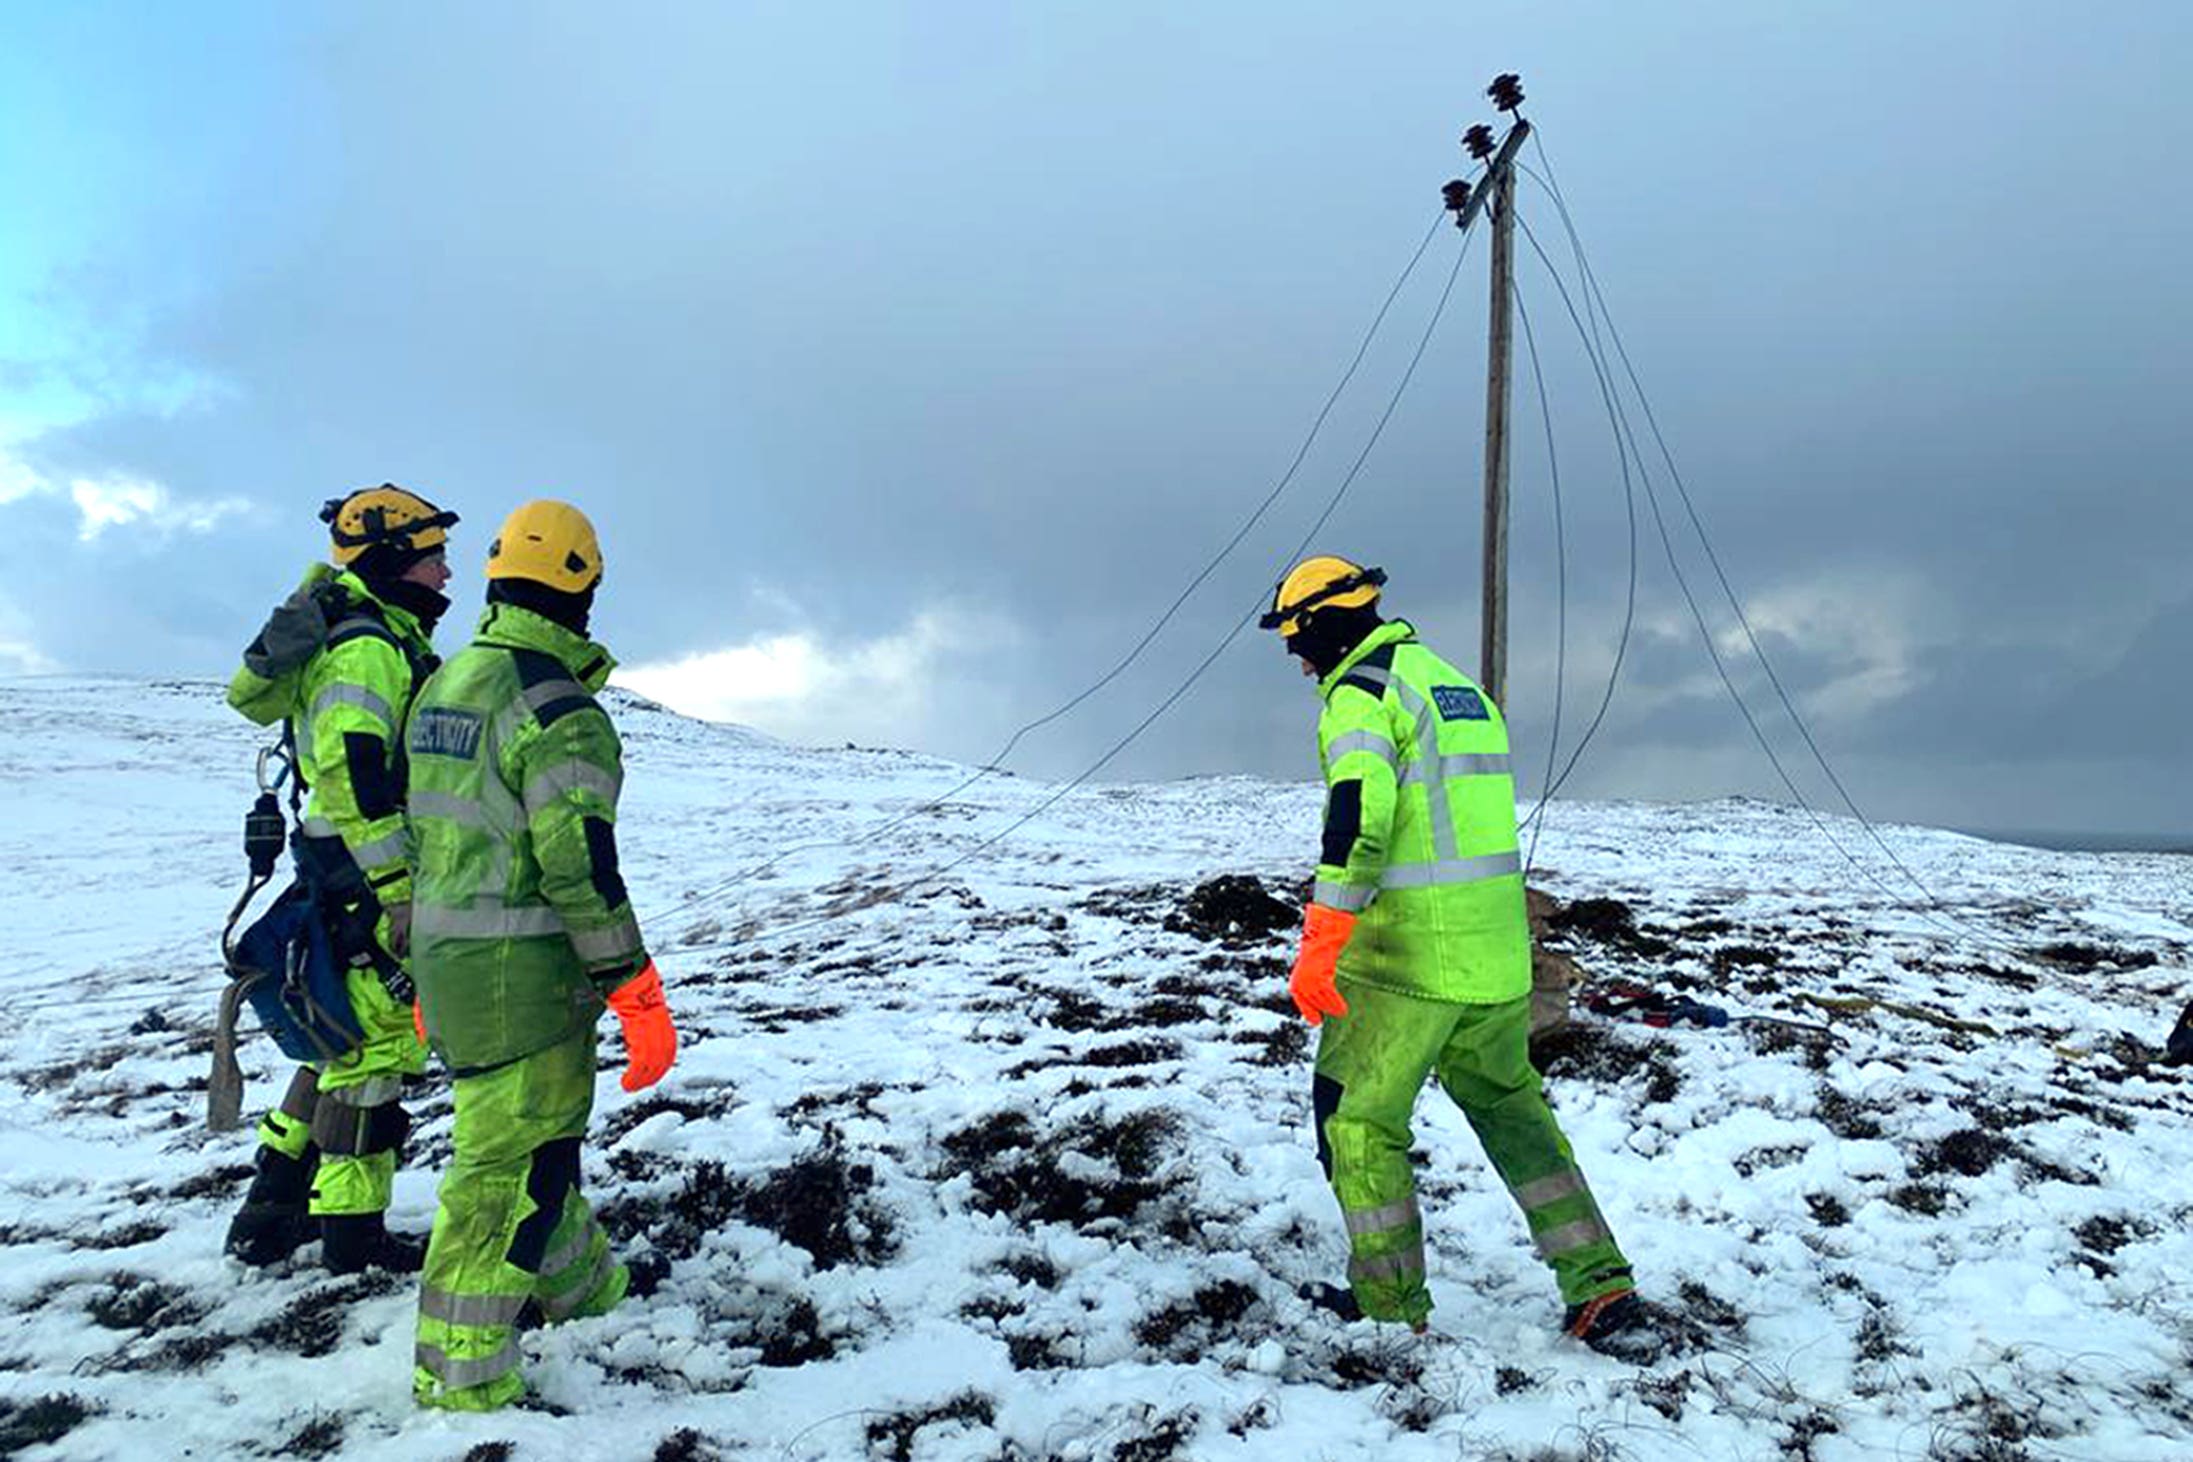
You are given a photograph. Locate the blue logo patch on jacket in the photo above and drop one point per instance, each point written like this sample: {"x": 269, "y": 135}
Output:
{"x": 440, "y": 731}
{"x": 1459, "y": 703}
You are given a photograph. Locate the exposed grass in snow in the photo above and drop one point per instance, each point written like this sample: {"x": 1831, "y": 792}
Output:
{"x": 1017, "y": 1165}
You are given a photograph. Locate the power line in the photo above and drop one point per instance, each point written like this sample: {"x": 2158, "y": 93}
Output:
{"x": 1286, "y": 478}
{"x": 1667, "y": 543}
{"x": 1629, "y": 612}
{"x": 1690, "y": 509}
{"x": 1255, "y": 611}
{"x": 1713, "y": 652}
{"x": 1561, "y": 572}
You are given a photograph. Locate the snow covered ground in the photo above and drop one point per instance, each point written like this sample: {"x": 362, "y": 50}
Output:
{"x": 1016, "y": 1164}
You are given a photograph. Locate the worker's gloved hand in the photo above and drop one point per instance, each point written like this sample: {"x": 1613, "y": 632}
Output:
{"x": 650, "y": 1040}
{"x": 1325, "y": 933}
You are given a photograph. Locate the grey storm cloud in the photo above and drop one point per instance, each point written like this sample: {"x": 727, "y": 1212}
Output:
{"x": 835, "y": 315}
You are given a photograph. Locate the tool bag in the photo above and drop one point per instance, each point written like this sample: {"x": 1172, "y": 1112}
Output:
{"x": 286, "y": 964}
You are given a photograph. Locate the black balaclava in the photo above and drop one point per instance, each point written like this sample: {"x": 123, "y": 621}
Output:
{"x": 383, "y": 565}
{"x": 569, "y": 610}
{"x": 427, "y": 605}
{"x": 1327, "y": 635}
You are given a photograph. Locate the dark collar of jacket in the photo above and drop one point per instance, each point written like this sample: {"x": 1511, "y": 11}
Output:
{"x": 401, "y": 622}
{"x": 514, "y": 627}
{"x": 1392, "y": 632}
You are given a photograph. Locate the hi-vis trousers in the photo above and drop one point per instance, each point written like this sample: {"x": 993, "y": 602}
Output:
{"x": 1371, "y": 1063}
{"x": 513, "y": 1231}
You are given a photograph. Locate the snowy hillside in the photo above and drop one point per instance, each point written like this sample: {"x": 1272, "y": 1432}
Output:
{"x": 1018, "y": 1165}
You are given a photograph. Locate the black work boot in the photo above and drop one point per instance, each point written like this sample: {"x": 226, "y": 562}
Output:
{"x": 1617, "y": 1325}
{"x": 273, "y": 1223}
{"x": 355, "y": 1242}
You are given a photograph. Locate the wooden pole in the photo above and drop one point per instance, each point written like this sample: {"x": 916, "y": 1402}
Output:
{"x": 1493, "y": 663}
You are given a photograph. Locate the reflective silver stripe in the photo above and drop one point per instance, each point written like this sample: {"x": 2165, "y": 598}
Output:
{"x": 469, "y": 1309}
{"x": 480, "y": 817}
{"x": 1369, "y": 741}
{"x": 449, "y": 808}
{"x": 1541, "y": 1191}
{"x": 573, "y": 1250}
{"x": 1570, "y": 1237}
{"x": 1399, "y": 1215}
{"x": 432, "y": 921}
{"x": 549, "y": 691}
{"x": 559, "y": 1307}
{"x": 353, "y": 695}
{"x": 550, "y": 783}
{"x": 599, "y": 946}
{"x": 1452, "y": 870}
{"x": 504, "y": 815}
{"x": 503, "y": 727}
{"x": 1371, "y": 673}
{"x": 1387, "y": 1266}
{"x": 459, "y": 1375}
{"x": 374, "y": 1091}
{"x": 318, "y": 827}
{"x": 1463, "y": 764}
{"x": 394, "y": 848}
{"x": 1347, "y": 897}
{"x": 1427, "y": 754}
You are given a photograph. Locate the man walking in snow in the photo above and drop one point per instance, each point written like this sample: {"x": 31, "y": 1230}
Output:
{"x": 327, "y": 1155}
{"x": 521, "y": 933}
{"x": 1416, "y": 958}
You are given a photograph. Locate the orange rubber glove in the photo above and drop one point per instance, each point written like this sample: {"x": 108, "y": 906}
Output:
{"x": 1325, "y": 933}
{"x": 650, "y": 1040}
{"x": 418, "y": 1020}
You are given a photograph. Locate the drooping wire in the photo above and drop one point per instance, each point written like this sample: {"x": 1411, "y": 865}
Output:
{"x": 1629, "y": 608}
{"x": 1256, "y": 609}
{"x": 1561, "y": 575}
{"x": 1590, "y": 281}
{"x": 997, "y": 758}
{"x": 1705, "y": 632}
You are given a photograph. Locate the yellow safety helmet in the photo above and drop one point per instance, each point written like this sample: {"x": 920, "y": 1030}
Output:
{"x": 549, "y": 543}
{"x": 386, "y": 515}
{"x": 1323, "y": 582}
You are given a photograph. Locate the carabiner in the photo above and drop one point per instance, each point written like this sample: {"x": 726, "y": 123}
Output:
{"x": 285, "y": 767}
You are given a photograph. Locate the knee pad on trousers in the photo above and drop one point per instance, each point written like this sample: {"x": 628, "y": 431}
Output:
{"x": 288, "y": 1128}
{"x": 341, "y": 1130}
{"x": 554, "y": 1173}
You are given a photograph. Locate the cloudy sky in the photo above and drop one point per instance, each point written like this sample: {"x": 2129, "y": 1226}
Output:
{"x": 912, "y": 358}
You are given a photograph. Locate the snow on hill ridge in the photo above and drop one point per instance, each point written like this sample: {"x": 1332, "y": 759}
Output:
{"x": 1016, "y": 1164}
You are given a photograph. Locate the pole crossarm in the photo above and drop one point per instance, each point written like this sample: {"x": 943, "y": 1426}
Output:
{"x": 1503, "y": 161}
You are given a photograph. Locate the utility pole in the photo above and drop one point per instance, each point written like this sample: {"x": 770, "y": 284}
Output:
{"x": 1494, "y": 657}
{"x": 1496, "y": 192}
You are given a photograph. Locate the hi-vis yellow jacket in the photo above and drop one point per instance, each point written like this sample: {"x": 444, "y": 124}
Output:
{"x": 521, "y": 925}
{"x": 1420, "y": 839}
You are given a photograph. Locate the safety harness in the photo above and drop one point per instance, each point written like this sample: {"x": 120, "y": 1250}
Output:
{"x": 287, "y": 963}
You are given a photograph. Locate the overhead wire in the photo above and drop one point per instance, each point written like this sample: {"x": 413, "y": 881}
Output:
{"x": 1591, "y": 284}
{"x": 1629, "y": 610}
{"x": 1713, "y": 652}
{"x": 1667, "y": 543}
{"x": 1561, "y": 574}
{"x": 899, "y": 891}
{"x": 718, "y": 888}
